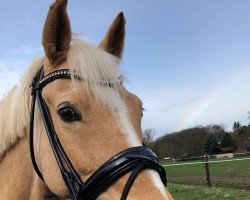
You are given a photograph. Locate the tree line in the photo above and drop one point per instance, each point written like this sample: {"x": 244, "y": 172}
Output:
{"x": 196, "y": 141}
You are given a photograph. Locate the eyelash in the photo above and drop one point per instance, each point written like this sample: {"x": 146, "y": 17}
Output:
{"x": 143, "y": 109}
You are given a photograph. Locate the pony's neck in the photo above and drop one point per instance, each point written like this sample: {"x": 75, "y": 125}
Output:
{"x": 17, "y": 176}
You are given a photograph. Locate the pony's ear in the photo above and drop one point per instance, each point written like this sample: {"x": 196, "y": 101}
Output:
{"x": 57, "y": 33}
{"x": 113, "y": 42}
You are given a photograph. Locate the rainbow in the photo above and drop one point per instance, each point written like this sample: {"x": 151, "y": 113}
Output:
{"x": 199, "y": 108}
{"x": 205, "y": 103}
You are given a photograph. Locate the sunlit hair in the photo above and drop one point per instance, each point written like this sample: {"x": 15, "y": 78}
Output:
{"x": 94, "y": 64}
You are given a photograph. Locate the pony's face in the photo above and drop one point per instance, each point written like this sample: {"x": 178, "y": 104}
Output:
{"x": 93, "y": 121}
{"x": 91, "y": 129}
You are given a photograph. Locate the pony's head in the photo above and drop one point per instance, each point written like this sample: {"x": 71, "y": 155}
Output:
{"x": 93, "y": 121}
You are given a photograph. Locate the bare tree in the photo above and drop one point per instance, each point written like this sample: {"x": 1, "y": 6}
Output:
{"x": 248, "y": 116}
{"x": 217, "y": 130}
{"x": 148, "y": 136}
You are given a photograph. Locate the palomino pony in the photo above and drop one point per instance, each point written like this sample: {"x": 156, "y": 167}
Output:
{"x": 84, "y": 117}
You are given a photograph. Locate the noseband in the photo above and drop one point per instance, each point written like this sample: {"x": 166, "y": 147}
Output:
{"x": 132, "y": 160}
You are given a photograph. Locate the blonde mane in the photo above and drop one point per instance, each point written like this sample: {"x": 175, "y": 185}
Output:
{"x": 92, "y": 63}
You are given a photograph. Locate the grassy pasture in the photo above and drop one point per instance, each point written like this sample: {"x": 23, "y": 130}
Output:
{"x": 185, "y": 192}
{"x": 235, "y": 174}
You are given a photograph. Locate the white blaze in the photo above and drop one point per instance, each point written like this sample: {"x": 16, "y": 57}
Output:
{"x": 114, "y": 101}
{"x": 126, "y": 126}
{"x": 158, "y": 183}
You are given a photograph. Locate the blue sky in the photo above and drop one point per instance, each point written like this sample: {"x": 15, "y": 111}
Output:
{"x": 187, "y": 60}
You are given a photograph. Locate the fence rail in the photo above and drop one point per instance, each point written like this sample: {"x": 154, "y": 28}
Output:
{"x": 222, "y": 174}
{"x": 203, "y": 162}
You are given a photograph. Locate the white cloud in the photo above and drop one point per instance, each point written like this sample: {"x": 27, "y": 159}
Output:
{"x": 170, "y": 110}
{"x": 14, "y": 65}
{"x": 27, "y": 50}
{"x": 165, "y": 107}
{"x": 10, "y": 73}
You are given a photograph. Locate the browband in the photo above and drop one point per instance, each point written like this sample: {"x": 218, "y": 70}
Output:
{"x": 69, "y": 74}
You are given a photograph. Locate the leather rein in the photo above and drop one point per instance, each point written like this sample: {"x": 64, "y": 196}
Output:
{"x": 134, "y": 159}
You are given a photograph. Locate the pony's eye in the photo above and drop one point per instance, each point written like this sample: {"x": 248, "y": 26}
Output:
{"x": 68, "y": 114}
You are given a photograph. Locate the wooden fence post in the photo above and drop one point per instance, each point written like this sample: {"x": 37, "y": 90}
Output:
{"x": 207, "y": 170}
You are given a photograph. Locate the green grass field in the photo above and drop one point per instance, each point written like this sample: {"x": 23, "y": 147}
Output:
{"x": 235, "y": 174}
{"x": 184, "y": 192}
